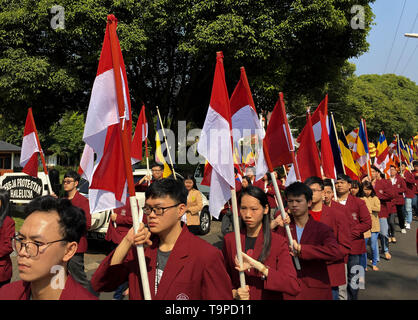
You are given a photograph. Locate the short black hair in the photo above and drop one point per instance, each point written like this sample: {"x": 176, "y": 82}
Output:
{"x": 159, "y": 165}
{"x": 415, "y": 163}
{"x": 328, "y": 183}
{"x": 312, "y": 180}
{"x": 376, "y": 169}
{"x": 382, "y": 175}
{"x": 72, "y": 174}
{"x": 297, "y": 189}
{"x": 72, "y": 220}
{"x": 174, "y": 189}
{"x": 344, "y": 177}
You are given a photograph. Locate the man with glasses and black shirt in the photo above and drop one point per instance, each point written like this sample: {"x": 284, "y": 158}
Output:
{"x": 157, "y": 171}
{"x": 47, "y": 240}
{"x": 180, "y": 265}
{"x": 76, "y": 264}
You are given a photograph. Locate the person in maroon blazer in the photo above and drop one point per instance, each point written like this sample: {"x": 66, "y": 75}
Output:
{"x": 399, "y": 185}
{"x": 180, "y": 265}
{"x": 415, "y": 173}
{"x": 76, "y": 264}
{"x": 44, "y": 244}
{"x": 409, "y": 194}
{"x": 384, "y": 192}
{"x": 360, "y": 219}
{"x": 314, "y": 243}
{"x": 7, "y": 231}
{"x": 268, "y": 267}
{"x": 338, "y": 221}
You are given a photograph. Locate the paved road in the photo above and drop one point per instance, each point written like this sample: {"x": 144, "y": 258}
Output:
{"x": 397, "y": 279}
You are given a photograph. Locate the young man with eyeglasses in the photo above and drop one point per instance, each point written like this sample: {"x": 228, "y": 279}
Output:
{"x": 157, "y": 171}
{"x": 180, "y": 265}
{"x": 44, "y": 244}
{"x": 76, "y": 264}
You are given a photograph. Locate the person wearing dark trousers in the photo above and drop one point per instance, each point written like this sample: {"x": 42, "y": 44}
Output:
{"x": 398, "y": 183}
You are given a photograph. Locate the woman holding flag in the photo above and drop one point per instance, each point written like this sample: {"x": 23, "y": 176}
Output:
{"x": 267, "y": 264}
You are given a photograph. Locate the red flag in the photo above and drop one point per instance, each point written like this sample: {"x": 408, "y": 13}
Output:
{"x": 30, "y": 147}
{"x": 141, "y": 134}
{"x": 327, "y": 158}
{"x": 108, "y": 182}
{"x": 307, "y": 154}
{"x": 279, "y": 145}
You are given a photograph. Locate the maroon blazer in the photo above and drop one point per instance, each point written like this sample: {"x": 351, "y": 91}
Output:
{"x": 82, "y": 203}
{"x": 7, "y": 231}
{"x": 415, "y": 173}
{"x": 400, "y": 188}
{"x": 338, "y": 221}
{"x": 123, "y": 224}
{"x": 384, "y": 192}
{"x": 360, "y": 222}
{"x": 195, "y": 270}
{"x": 319, "y": 247}
{"x": 282, "y": 276}
{"x": 21, "y": 290}
{"x": 410, "y": 184}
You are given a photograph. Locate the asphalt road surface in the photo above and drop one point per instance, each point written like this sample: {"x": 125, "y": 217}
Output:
{"x": 397, "y": 279}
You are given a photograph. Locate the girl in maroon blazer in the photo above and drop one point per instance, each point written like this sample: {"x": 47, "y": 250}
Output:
{"x": 7, "y": 231}
{"x": 268, "y": 267}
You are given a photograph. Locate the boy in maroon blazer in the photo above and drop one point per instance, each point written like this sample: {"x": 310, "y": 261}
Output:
{"x": 180, "y": 265}
{"x": 314, "y": 244}
{"x": 409, "y": 194}
{"x": 360, "y": 219}
{"x": 76, "y": 264}
{"x": 338, "y": 221}
{"x": 45, "y": 243}
{"x": 399, "y": 186}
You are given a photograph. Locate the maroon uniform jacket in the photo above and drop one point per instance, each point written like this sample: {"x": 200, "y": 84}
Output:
{"x": 82, "y": 203}
{"x": 338, "y": 221}
{"x": 360, "y": 222}
{"x": 319, "y": 247}
{"x": 410, "y": 184}
{"x": 282, "y": 276}
{"x": 7, "y": 231}
{"x": 415, "y": 173}
{"x": 400, "y": 188}
{"x": 195, "y": 270}
{"x": 385, "y": 193}
{"x": 20, "y": 290}
{"x": 123, "y": 224}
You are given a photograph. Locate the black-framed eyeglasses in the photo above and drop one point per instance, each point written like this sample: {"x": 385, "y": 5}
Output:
{"x": 68, "y": 181}
{"x": 159, "y": 211}
{"x": 31, "y": 248}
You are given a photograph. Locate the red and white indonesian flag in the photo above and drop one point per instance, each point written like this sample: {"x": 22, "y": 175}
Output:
{"x": 30, "y": 147}
{"x": 316, "y": 119}
{"x": 108, "y": 184}
{"x": 141, "y": 134}
{"x": 215, "y": 142}
{"x": 246, "y": 125}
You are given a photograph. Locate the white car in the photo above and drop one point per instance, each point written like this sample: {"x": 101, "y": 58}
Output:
{"x": 100, "y": 220}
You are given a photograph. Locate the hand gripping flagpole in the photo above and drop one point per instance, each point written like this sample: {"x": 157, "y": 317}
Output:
{"x": 166, "y": 144}
{"x": 136, "y": 216}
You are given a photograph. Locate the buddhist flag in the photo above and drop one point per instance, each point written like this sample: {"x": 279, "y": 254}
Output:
{"x": 159, "y": 153}
{"x": 382, "y": 153}
{"x": 30, "y": 147}
{"x": 361, "y": 148}
{"x": 349, "y": 165}
{"x": 352, "y": 138}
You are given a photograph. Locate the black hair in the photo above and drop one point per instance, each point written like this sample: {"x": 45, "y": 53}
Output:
{"x": 344, "y": 177}
{"x": 72, "y": 174}
{"x": 189, "y": 176}
{"x": 72, "y": 220}
{"x": 54, "y": 178}
{"x": 159, "y": 165}
{"x": 356, "y": 184}
{"x": 247, "y": 178}
{"x": 415, "y": 163}
{"x": 174, "y": 189}
{"x": 382, "y": 175}
{"x": 312, "y": 180}
{"x": 5, "y": 205}
{"x": 299, "y": 189}
{"x": 328, "y": 183}
{"x": 261, "y": 196}
{"x": 376, "y": 169}
{"x": 368, "y": 185}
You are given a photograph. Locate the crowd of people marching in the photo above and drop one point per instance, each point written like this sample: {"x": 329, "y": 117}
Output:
{"x": 331, "y": 224}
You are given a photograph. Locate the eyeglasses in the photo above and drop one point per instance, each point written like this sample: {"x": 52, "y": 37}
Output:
{"x": 67, "y": 181}
{"x": 31, "y": 248}
{"x": 157, "y": 210}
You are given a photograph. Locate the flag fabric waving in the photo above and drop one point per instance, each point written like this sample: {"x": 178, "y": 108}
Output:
{"x": 159, "y": 153}
{"x": 108, "y": 183}
{"x": 347, "y": 157}
{"x": 382, "y": 153}
{"x": 327, "y": 158}
{"x": 215, "y": 143}
{"x": 352, "y": 138}
{"x": 140, "y": 135}
{"x": 30, "y": 147}
{"x": 333, "y": 138}
{"x": 361, "y": 149}
{"x": 317, "y": 125}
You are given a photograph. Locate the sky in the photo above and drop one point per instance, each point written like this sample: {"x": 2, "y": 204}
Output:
{"x": 389, "y": 50}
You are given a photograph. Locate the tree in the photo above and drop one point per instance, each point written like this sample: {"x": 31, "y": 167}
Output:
{"x": 295, "y": 46}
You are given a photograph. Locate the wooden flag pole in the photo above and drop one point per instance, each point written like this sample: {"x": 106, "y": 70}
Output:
{"x": 137, "y": 214}
{"x": 369, "y": 170}
{"x": 279, "y": 198}
{"x": 166, "y": 144}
